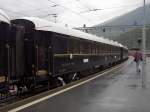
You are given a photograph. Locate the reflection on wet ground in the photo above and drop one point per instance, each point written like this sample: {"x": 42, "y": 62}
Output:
{"x": 118, "y": 92}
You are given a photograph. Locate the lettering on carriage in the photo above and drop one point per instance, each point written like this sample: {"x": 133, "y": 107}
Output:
{"x": 2, "y": 79}
{"x": 85, "y": 60}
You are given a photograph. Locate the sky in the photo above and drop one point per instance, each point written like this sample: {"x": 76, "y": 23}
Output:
{"x": 74, "y": 13}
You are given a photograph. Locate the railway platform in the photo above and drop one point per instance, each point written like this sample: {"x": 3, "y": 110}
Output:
{"x": 118, "y": 91}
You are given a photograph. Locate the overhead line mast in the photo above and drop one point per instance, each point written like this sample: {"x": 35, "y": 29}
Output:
{"x": 144, "y": 47}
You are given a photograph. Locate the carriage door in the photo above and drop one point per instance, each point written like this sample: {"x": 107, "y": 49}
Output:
{"x": 3, "y": 52}
{"x": 19, "y": 51}
{"x": 42, "y": 60}
{"x": 15, "y": 50}
{"x": 121, "y": 53}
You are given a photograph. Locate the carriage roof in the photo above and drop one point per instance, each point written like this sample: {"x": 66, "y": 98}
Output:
{"x": 4, "y": 17}
{"x": 44, "y": 25}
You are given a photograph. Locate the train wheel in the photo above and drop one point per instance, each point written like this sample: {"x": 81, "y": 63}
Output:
{"x": 61, "y": 81}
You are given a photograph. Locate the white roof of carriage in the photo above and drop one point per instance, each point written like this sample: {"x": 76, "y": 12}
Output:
{"x": 4, "y": 17}
{"x": 44, "y": 25}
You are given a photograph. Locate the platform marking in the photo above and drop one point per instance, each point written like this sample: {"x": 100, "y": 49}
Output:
{"x": 59, "y": 92}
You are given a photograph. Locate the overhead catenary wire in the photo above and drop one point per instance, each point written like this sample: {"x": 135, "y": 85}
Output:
{"x": 99, "y": 9}
{"x": 79, "y": 13}
{"x": 52, "y": 6}
{"x": 18, "y": 13}
{"x": 83, "y": 4}
{"x": 61, "y": 5}
{"x": 90, "y": 10}
{"x": 55, "y": 4}
{"x": 87, "y": 19}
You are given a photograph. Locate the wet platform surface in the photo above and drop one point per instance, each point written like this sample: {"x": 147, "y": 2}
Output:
{"x": 119, "y": 92}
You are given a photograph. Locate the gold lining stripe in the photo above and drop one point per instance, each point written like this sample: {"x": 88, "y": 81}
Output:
{"x": 42, "y": 72}
{"x": 2, "y": 79}
{"x": 65, "y": 55}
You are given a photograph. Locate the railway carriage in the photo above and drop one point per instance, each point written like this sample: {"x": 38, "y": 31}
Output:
{"x": 11, "y": 66}
{"x": 51, "y": 51}
{"x": 4, "y": 29}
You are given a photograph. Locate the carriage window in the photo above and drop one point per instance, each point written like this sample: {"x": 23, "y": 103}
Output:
{"x": 117, "y": 49}
{"x": 73, "y": 46}
{"x": 89, "y": 47}
{"x": 76, "y": 46}
{"x": 70, "y": 46}
{"x": 59, "y": 43}
{"x": 110, "y": 48}
{"x": 114, "y": 49}
{"x": 106, "y": 48}
{"x": 93, "y": 48}
{"x": 100, "y": 48}
{"x": 81, "y": 47}
{"x": 97, "y": 48}
{"x": 42, "y": 50}
{"x": 85, "y": 47}
{"x": 42, "y": 56}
